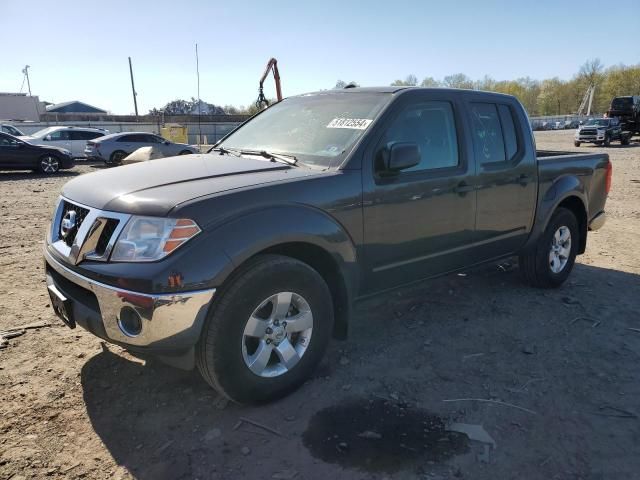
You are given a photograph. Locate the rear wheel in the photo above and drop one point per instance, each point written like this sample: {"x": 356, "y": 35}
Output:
{"x": 625, "y": 140}
{"x": 267, "y": 330}
{"x": 49, "y": 164}
{"x": 117, "y": 157}
{"x": 550, "y": 261}
{"x": 577, "y": 144}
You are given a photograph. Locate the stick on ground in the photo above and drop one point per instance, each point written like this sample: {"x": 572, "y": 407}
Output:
{"x": 261, "y": 425}
{"x": 486, "y": 400}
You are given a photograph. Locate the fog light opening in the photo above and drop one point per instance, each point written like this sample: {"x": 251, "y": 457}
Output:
{"x": 130, "y": 322}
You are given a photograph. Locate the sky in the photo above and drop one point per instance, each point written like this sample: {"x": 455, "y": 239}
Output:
{"x": 78, "y": 49}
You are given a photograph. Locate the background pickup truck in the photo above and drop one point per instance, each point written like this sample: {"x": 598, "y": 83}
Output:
{"x": 245, "y": 261}
{"x": 601, "y": 131}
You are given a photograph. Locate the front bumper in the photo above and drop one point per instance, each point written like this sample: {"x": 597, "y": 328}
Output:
{"x": 170, "y": 322}
{"x": 590, "y": 138}
{"x": 598, "y": 221}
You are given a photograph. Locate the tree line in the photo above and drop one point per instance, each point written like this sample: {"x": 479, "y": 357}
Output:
{"x": 552, "y": 96}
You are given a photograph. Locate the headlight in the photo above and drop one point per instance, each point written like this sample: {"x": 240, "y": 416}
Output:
{"x": 146, "y": 239}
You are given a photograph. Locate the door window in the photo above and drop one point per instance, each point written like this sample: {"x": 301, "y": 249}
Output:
{"x": 431, "y": 126}
{"x": 59, "y": 135}
{"x": 7, "y": 141}
{"x": 494, "y": 133}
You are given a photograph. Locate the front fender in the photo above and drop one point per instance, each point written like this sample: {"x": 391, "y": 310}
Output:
{"x": 257, "y": 231}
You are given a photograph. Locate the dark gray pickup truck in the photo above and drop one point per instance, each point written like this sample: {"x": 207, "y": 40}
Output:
{"x": 245, "y": 261}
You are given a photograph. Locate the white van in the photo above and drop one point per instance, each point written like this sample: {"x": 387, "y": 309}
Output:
{"x": 73, "y": 139}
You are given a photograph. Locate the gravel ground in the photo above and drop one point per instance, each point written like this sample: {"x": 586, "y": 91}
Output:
{"x": 564, "y": 364}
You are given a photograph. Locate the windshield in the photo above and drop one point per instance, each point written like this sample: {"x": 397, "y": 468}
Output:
{"x": 43, "y": 132}
{"x": 597, "y": 122}
{"x": 316, "y": 128}
{"x": 619, "y": 103}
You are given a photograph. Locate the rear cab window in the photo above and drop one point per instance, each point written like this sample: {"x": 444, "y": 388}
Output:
{"x": 495, "y": 138}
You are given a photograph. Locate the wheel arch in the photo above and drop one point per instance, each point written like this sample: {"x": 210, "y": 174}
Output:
{"x": 304, "y": 233}
{"x": 577, "y": 207}
{"x": 566, "y": 192}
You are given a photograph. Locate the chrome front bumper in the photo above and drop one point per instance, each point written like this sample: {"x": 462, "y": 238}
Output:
{"x": 598, "y": 221}
{"x": 167, "y": 319}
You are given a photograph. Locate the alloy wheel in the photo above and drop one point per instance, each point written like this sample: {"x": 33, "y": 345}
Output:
{"x": 560, "y": 249}
{"x": 277, "y": 334}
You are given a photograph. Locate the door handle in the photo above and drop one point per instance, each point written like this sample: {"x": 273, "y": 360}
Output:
{"x": 523, "y": 179}
{"x": 463, "y": 188}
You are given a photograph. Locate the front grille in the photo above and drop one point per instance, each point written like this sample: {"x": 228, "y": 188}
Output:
{"x": 588, "y": 132}
{"x": 81, "y": 214}
{"x": 105, "y": 236}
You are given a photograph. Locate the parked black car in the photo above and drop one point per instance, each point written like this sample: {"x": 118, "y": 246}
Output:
{"x": 245, "y": 261}
{"x": 16, "y": 154}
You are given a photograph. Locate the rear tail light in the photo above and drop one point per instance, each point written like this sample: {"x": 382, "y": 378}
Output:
{"x": 607, "y": 182}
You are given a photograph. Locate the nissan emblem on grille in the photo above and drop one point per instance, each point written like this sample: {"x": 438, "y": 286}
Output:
{"x": 68, "y": 223}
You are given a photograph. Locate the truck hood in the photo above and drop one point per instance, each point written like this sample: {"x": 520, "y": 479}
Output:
{"x": 157, "y": 186}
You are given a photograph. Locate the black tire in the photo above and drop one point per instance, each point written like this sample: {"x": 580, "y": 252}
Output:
{"x": 117, "y": 157}
{"x": 577, "y": 144}
{"x": 219, "y": 352}
{"x": 607, "y": 141}
{"x": 625, "y": 140}
{"x": 185, "y": 152}
{"x": 535, "y": 266}
{"x": 49, "y": 164}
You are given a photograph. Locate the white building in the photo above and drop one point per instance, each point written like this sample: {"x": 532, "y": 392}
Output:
{"x": 20, "y": 106}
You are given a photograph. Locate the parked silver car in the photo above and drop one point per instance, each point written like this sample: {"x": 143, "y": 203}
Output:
{"x": 112, "y": 149}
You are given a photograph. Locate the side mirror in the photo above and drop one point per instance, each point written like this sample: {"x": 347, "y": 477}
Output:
{"x": 20, "y": 144}
{"x": 167, "y": 142}
{"x": 47, "y": 138}
{"x": 398, "y": 157}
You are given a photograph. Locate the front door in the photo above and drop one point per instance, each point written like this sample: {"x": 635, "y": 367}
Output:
{"x": 60, "y": 138}
{"x": 419, "y": 222}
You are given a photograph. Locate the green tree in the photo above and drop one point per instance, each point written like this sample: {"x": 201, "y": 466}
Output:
{"x": 409, "y": 81}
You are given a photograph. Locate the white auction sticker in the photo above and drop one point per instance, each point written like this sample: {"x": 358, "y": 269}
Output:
{"x": 354, "y": 123}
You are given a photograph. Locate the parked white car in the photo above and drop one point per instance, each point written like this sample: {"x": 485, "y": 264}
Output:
{"x": 73, "y": 139}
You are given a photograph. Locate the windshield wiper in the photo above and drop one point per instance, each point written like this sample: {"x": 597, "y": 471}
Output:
{"x": 226, "y": 151}
{"x": 282, "y": 157}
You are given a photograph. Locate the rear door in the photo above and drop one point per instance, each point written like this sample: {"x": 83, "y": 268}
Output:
{"x": 79, "y": 139}
{"x": 420, "y": 222}
{"x": 507, "y": 177}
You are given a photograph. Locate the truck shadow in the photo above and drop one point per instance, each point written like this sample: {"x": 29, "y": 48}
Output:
{"x": 159, "y": 422}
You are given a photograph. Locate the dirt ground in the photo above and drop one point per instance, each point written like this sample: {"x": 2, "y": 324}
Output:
{"x": 564, "y": 364}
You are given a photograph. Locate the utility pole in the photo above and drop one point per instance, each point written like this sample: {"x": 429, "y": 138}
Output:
{"x": 25, "y": 70}
{"x": 133, "y": 89}
{"x": 199, "y": 102}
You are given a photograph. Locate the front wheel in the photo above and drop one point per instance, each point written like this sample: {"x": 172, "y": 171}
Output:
{"x": 607, "y": 141}
{"x": 267, "y": 330}
{"x": 577, "y": 144}
{"x": 550, "y": 261}
{"x": 625, "y": 140}
{"x": 49, "y": 164}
